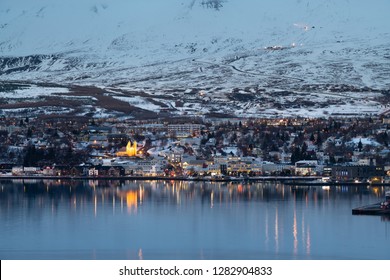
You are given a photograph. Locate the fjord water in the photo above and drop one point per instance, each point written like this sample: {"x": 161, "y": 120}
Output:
{"x": 187, "y": 220}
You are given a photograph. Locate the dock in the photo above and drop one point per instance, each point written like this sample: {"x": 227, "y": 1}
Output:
{"x": 373, "y": 209}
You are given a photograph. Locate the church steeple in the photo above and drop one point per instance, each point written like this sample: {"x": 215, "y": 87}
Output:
{"x": 131, "y": 150}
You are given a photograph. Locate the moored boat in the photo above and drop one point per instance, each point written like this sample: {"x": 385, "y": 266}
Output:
{"x": 386, "y": 204}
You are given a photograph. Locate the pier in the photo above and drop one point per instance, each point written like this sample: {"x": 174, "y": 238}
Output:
{"x": 373, "y": 209}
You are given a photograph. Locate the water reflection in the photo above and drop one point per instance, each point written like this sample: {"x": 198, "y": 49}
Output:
{"x": 132, "y": 194}
{"x": 276, "y": 232}
{"x": 295, "y": 232}
{"x": 173, "y": 219}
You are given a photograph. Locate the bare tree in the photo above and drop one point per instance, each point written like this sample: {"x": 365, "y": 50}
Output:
{"x": 213, "y": 4}
{"x": 192, "y": 3}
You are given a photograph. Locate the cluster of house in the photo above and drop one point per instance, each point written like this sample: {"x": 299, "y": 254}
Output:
{"x": 220, "y": 167}
{"x": 197, "y": 150}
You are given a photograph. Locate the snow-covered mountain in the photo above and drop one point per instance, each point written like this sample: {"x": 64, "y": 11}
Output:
{"x": 217, "y": 47}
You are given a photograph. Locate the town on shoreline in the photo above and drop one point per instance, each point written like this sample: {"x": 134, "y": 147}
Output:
{"x": 332, "y": 150}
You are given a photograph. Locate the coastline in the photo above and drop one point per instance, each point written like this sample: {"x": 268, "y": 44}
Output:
{"x": 164, "y": 178}
{"x": 287, "y": 180}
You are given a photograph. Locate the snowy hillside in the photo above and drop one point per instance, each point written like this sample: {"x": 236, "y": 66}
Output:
{"x": 249, "y": 47}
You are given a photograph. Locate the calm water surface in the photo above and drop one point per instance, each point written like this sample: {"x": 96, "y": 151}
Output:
{"x": 187, "y": 220}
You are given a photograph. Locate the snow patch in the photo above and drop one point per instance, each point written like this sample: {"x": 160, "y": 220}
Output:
{"x": 33, "y": 91}
{"x": 139, "y": 102}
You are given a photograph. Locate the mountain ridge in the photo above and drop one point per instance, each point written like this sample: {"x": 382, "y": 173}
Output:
{"x": 158, "y": 47}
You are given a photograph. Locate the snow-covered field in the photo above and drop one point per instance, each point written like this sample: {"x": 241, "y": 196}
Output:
{"x": 333, "y": 57}
{"x": 140, "y": 103}
{"x": 46, "y": 110}
{"x": 32, "y": 91}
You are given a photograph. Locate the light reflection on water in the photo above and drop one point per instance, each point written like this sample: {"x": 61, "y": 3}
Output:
{"x": 187, "y": 220}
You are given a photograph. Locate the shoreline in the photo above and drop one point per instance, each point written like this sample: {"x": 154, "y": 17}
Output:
{"x": 163, "y": 178}
{"x": 287, "y": 180}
